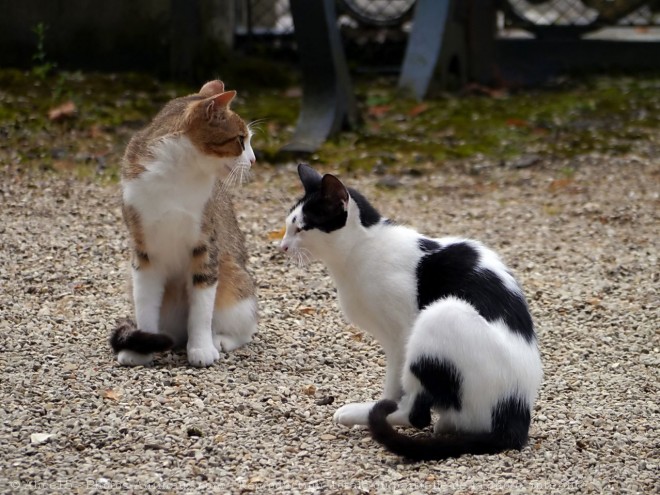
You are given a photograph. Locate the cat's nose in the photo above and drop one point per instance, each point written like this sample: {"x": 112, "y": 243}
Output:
{"x": 284, "y": 246}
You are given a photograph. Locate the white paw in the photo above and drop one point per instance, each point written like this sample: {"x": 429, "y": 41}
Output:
{"x": 203, "y": 356}
{"x": 132, "y": 358}
{"x": 353, "y": 414}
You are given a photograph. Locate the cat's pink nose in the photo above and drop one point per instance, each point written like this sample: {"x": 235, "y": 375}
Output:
{"x": 284, "y": 246}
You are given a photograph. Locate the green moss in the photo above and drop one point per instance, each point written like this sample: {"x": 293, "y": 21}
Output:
{"x": 611, "y": 115}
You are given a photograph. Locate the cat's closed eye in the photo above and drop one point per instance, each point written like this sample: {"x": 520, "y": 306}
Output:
{"x": 241, "y": 141}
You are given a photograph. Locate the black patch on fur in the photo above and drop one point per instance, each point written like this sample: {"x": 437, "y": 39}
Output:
{"x": 428, "y": 245}
{"x": 511, "y": 419}
{"x": 327, "y": 215}
{"x": 368, "y": 214}
{"x": 441, "y": 380}
{"x": 323, "y": 214}
{"x": 200, "y": 250}
{"x": 127, "y": 337}
{"x": 453, "y": 271}
{"x": 420, "y": 414}
{"x": 204, "y": 279}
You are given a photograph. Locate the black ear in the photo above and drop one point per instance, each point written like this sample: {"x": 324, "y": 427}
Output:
{"x": 310, "y": 178}
{"x": 333, "y": 190}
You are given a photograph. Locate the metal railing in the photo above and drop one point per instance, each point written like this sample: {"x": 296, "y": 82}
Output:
{"x": 539, "y": 17}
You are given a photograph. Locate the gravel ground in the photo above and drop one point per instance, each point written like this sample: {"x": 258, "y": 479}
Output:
{"x": 581, "y": 235}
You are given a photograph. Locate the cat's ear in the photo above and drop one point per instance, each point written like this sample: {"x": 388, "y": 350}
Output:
{"x": 212, "y": 88}
{"x": 310, "y": 178}
{"x": 333, "y": 190}
{"x": 219, "y": 101}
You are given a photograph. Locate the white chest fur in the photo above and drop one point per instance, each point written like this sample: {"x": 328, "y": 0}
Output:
{"x": 376, "y": 288}
{"x": 170, "y": 197}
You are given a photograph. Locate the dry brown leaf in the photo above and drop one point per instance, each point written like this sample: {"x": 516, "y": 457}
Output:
{"x": 309, "y": 390}
{"x": 378, "y": 110}
{"x": 111, "y": 394}
{"x": 417, "y": 109}
{"x": 63, "y": 111}
{"x": 276, "y": 235}
{"x": 306, "y": 311}
{"x": 558, "y": 184}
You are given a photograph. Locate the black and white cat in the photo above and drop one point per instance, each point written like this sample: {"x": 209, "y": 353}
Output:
{"x": 452, "y": 320}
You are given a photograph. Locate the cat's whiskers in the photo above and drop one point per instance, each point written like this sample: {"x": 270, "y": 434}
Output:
{"x": 238, "y": 176}
{"x": 302, "y": 257}
{"x": 254, "y": 125}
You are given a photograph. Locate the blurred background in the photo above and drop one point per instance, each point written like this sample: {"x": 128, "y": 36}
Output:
{"x": 509, "y": 80}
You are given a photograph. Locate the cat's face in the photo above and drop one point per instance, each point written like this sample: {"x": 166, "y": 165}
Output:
{"x": 217, "y": 131}
{"x": 317, "y": 217}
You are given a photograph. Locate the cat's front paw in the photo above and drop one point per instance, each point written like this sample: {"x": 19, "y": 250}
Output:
{"x": 203, "y": 356}
{"x": 353, "y": 414}
{"x": 132, "y": 358}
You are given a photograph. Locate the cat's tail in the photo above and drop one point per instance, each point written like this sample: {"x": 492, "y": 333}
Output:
{"x": 127, "y": 337}
{"x": 434, "y": 448}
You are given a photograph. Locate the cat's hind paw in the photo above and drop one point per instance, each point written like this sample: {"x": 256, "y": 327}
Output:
{"x": 202, "y": 357}
{"x": 132, "y": 358}
{"x": 353, "y": 414}
{"x": 229, "y": 343}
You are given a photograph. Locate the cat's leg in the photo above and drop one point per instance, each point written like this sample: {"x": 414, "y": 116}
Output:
{"x": 174, "y": 312}
{"x": 235, "y": 313}
{"x": 204, "y": 268}
{"x": 392, "y": 389}
{"x": 201, "y": 350}
{"x": 358, "y": 413}
{"x": 148, "y": 287}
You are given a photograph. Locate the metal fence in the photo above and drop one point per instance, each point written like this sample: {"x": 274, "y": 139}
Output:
{"x": 272, "y": 17}
{"x": 575, "y": 17}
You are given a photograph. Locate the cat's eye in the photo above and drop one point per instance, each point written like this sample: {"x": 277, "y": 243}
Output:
{"x": 241, "y": 141}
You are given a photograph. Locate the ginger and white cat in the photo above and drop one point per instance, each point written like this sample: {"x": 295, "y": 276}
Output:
{"x": 190, "y": 284}
{"x": 452, "y": 320}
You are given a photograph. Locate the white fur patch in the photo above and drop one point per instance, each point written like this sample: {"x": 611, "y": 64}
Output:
{"x": 132, "y": 358}
{"x": 235, "y": 326}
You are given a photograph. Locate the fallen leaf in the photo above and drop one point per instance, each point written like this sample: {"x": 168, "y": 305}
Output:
{"x": 357, "y": 337}
{"x": 307, "y": 311}
{"x": 378, "y": 110}
{"x": 309, "y": 390}
{"x": 39, "y": 438}
{"x": 417, "y": 109}
{"x": 111, "y": 394}
{"x": 276, "y": 235}
{"x": 517, "y": 122}
{"x": 63, "y": 111}
{"x": 558, "y": 184}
